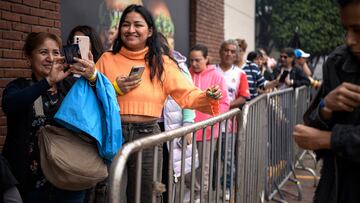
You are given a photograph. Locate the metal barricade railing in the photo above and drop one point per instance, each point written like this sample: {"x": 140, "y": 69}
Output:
{"x": 261, "y": 145}
{"x": 117, "y": 187}
{"x": 281, "y": 154}
{"x": 251, "y": 151}
{"x": 302, "y": 98}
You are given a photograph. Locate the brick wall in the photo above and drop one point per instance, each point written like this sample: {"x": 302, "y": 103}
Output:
{"x": 207, "y": 25}
{"x": 17, "y": 18}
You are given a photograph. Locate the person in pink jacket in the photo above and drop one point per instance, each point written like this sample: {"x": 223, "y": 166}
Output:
{"x": 205, "y": 76}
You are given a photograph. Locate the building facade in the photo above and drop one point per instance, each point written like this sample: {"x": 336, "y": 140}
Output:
{"x": 239, "y": 17}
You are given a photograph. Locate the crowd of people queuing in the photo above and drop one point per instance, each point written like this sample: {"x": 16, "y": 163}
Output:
{"x": 168, "y": 95}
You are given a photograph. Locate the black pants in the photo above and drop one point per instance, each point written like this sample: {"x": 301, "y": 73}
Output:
{"x": 133, "y": 131}
{"x": 165, "y": 170}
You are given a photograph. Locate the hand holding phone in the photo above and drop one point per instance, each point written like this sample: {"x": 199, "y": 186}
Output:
{"x": 71, "y": 51}
{"x": 130, "y": 82}
{"x": 84, "y": 45}
{"x": 283, "y": 76}
{"x": 137, "y": 71}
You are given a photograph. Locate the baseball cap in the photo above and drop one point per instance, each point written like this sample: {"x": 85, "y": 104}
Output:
{"x": 301, "y": 54}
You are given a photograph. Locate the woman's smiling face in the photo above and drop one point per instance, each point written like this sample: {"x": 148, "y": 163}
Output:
{"x": 43, "y": 57}
{"x": 134, "y": 32}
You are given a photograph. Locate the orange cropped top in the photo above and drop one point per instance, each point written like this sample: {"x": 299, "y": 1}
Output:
{"x": 148, "y": 98}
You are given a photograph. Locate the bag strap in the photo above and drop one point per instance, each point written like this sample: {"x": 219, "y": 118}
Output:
{"x": 38, "y": 105}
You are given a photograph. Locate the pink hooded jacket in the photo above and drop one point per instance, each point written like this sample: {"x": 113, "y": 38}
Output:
{"x": 207, "y": 78}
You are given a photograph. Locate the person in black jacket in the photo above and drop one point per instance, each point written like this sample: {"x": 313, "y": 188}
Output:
{"x": 51, "y": 82}
{"x": 333, "y": 119}
{"x": 288, "y": 74}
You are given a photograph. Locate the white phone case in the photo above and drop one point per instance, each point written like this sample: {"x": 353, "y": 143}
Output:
{"x": 84, "y": 44}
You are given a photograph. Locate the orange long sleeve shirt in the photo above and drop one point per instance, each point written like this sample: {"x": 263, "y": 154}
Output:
{"x": 148, "y": 98}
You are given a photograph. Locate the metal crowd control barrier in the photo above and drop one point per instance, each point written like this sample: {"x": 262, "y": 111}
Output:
{"x": 117, "y": 188}
{"x": 302, "y": 102}
{"x": 263, "y": 152}
{"x": 281, "y": 117}
{"x": 286, "y": 108}
{"x": 251, "y": 152}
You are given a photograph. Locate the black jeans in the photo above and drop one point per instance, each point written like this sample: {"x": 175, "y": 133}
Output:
{"x": 131, "y": 132}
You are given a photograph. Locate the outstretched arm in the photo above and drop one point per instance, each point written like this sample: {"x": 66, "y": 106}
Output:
{"x": 343, "y": 140}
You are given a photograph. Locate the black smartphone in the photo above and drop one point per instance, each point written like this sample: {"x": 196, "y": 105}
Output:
{"x": 283, "y": 76}
{"x": 71, "y": 51}
{"x": 137, "y": 70}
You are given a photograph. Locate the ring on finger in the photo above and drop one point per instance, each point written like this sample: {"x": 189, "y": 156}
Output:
{"x": 82, "y": 69}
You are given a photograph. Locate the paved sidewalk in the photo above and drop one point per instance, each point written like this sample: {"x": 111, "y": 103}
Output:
{"x": 290, "y": 191}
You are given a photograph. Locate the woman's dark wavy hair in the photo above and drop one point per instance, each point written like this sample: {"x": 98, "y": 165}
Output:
{"x": 165, "y": 47}
{"x": 96, "y": 47}
{"x": 154, "y": 56}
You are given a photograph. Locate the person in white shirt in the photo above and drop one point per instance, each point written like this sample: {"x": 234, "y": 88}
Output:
{"x": 238, "y": 92}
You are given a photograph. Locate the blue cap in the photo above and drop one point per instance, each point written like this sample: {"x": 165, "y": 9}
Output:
{"x": 301, "y": 54}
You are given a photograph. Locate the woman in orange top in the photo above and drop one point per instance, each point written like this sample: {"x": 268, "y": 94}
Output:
{"x": 141, "y": 99}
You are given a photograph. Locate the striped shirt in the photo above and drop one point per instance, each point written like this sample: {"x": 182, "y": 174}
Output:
{"x": 255, "y": 78}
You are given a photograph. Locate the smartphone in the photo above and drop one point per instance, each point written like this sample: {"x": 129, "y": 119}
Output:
{"x": 71, "y": 51}
{"x": 137, "y": 70}
{"x": 84, "y": 45}
{"x": 283, "y": 76}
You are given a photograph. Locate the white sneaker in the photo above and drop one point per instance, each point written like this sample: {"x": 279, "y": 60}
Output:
{"x": 197, "y": 201}
{"x": 227, "y": 195}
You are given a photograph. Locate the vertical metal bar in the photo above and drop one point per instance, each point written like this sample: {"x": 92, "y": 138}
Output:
{"x": 270, "y": 128}
{"x": 182, "y": 174}
{"x": 203, "y": 164}
{"x": 255, "y": 151}
{"x": 155, "y": 171}
{"x": 263, "y": 147}
{"x": 279, "y": 139}
{"x": 237, "y": 175}
{"x": 258, "y": 152}
{"x": 138, "y": 177}
{"x": 249, "y": 130}
{"x": 170, "y": 191}
{"x": 211, "y": 160}
{"x": 193, "y": 159}
{"x": 225, "y": 160}
{"x": 252, "y": 153}
{"x": 232, "y": 165}
{"x": 268, "y": 142}
{"x": 218, "y": 165}
{"x": 242, "y": 156}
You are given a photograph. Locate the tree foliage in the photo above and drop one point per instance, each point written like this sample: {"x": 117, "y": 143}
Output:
{"x": 318, "y": 24}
